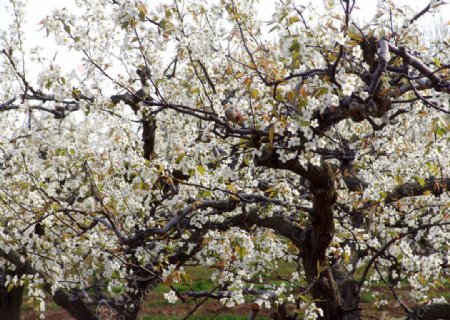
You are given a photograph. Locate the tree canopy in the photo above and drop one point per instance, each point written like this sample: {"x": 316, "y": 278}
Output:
{"x": 198, "y": 134}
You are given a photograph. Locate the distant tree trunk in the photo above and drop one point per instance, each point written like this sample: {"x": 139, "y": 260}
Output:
{"x": 348, "y": 292}
{"x": 75, "y": 305}
{"x": 11, "y": 302}
{"x": 130, "y": 307}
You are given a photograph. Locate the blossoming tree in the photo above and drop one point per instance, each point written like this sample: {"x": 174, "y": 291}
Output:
{"x": 198, "y": 134}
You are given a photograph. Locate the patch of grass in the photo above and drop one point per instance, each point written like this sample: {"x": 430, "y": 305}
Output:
{"x": 286, "y": 268}
{"x": 199, "y": 272}
{"x": 196, "y": 285}
{"x": 367, "y": 297}
{"x": 446, "y": 295}
{"x": 160, "y": 301}
{"x": 162, "y": 288}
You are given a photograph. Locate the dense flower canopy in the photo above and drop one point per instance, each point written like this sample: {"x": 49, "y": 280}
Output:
{"x": 199, "y": 134}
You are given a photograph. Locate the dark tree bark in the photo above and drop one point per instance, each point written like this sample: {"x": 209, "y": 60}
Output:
{"x": 10, "y": 301}
{"x": 348, "y": 291}
{"x": 130, "y": 307}
{"x": 148, "y": 136}
{"x": 436, "y": 311}
{"x": 324, "y": 288}
{"x": 75, "y": 305}
{"x": 334, "y": 289}
{"x": 127, "y": 307}
{"x": 337, "y": 297}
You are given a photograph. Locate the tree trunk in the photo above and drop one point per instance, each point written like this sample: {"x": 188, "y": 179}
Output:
{"x": 329, "y": 297}
{"x": 338, "y": 299}
{"x": 10, "y": 302}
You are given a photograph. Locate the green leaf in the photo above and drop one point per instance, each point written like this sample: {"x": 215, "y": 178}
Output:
{"x": 205, "y": 194}
{"x": 168, "y": 13}
{"x": 321, "y": 91}
{"x": 304, "y": 123}
{"x": 42, "y": 185}
{"x": 273, "y": 29}
{"x": 24, "y": 185}
{"x": 347, "y": 257}
{"x": 125, "y": 25}
{"x": 242, "y": 252}
{"x": 304, "y": 298}
{"x": 355, "y": 35}
{"x": 283, "y": 15}
{"x": 185, "y": 277}
{"x": 398, "y": 179}
{"x": 293, "y": 19}
{"x": 433, "y": 168}
{"x": 295, "y": 46}
{"x": 54, "y": 206}
{"x": 142, "y": 15}
{"x": 421, "y": 181}
{"x": 60, "y": 152}
{"x": 76, "y": 92}
{"x": 271, "y": 134}
{"x": 437, "y": 62}
{"x": 179, "y": 158}
{"x": 201, "y": 170}
{"x": 440, "y": 132}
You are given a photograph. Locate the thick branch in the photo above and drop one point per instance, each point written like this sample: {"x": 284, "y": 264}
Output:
{"x": 383, "y": 56}
{"x": 223, "y": 206}
{"x": 438, "y": 83}
{"x": 435, "y": 185}
{"x": 278, "y": 223}
{"x": 434, "y": 311}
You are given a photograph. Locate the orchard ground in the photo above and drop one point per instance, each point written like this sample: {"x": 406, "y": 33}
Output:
{"x": 157, "y": 308}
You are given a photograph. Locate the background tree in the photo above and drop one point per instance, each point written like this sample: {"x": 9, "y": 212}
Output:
{"x": 196, "y": 136}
